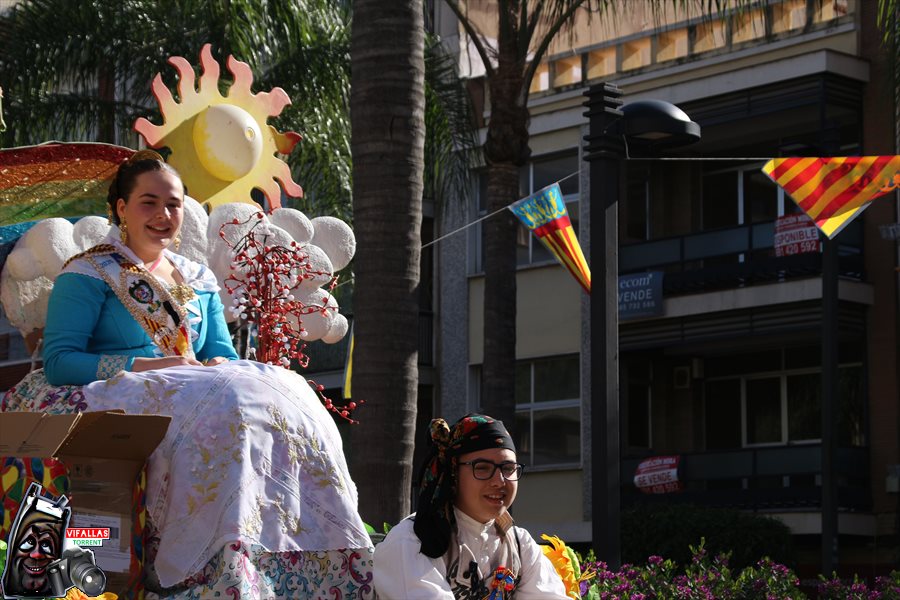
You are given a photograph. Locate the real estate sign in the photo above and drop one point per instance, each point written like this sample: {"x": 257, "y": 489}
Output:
{"x": 658, "y": 475}
{"x": 640, "y": 295}
{"x": 795, "y": 234}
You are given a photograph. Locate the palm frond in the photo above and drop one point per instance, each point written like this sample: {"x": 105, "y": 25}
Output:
{"x": 452, "y": 147}
{"x": 54, "y": 54}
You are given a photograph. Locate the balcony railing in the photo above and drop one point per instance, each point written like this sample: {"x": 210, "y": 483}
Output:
{"x": 781, "y": 478}
{"x": 734, "y": 257}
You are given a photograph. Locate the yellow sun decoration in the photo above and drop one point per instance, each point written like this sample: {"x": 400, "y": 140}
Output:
{"x": 222, "y": 145}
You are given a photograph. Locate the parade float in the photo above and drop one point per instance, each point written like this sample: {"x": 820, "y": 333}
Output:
{"x": 276, "y": 269}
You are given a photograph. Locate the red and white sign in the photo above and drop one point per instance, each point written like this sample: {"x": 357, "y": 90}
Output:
{"x": 95, "y": 533}
{"x": 658, "y": 475}
{"x": 795, "y": 234}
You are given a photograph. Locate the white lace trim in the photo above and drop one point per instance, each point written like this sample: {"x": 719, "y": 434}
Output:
{"x": 199, "y": 277}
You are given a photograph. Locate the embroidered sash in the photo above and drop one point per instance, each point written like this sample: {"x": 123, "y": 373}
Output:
{"x": 162, "y": 318}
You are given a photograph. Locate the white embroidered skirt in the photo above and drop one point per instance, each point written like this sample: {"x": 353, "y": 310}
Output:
{"x": 251, "y": 456}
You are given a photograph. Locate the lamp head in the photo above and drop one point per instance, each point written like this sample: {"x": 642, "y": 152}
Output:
{"x": 657, "y": 124}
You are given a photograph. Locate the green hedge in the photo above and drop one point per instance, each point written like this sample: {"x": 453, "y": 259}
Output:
{"x": 670, "y": 530}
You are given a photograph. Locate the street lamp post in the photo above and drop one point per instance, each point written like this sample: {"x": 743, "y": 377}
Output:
{"x": 604, "y": 152}
{"x": 648, "y": 124}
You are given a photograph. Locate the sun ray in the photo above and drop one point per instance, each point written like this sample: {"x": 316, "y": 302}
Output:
{"x": 282, "y": 173}
{"x": 222, "y": 145}
{"x": 186, "y": 80}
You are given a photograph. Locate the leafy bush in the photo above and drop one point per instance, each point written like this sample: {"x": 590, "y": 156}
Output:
{"x": 703, "y": 578}
{"x": 670, "y": 530}
{"x": 885, "y": 588}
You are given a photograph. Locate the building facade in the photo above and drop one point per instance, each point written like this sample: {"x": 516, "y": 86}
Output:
{"x": 726, "y": 374}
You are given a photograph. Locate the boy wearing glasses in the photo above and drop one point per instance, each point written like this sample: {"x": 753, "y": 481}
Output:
{"x": 462, "y": 544}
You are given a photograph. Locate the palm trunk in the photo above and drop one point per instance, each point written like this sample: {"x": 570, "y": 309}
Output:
{"x": 498, "y": 372}
{"x": 506, "y": 150}
{"x": 387, "y": 120}
{"x": 106, "y": 93}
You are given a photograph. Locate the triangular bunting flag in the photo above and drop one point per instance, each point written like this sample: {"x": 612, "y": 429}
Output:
{"x": 545, "y": 214}
{"x": 832, "y": 191}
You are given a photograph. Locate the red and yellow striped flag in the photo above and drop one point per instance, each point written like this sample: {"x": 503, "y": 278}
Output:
{"x": 832, "y": 191}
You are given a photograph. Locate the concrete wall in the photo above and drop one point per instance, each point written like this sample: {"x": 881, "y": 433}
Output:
{"x": 547, "y": 318}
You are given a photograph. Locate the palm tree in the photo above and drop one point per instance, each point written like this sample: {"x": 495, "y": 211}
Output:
{"x": 387, "y": 107}
{"x": 889, "y": 22}
{"x": 511, "y": 53}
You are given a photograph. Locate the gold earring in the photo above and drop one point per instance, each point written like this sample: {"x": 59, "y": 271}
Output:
{"x": 109, "y": 220}
{"x": 123, "y": 232}
{"x": 178, "y": 241}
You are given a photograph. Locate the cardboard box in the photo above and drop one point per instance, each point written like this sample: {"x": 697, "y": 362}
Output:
{"x": 104, "y": 452}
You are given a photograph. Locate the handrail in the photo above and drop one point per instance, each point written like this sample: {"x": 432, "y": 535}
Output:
{"x": 713, "y": 243}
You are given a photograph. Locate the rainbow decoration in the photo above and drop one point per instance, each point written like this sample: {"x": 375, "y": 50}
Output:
{"x": 833, "y": 191}
{"x": 545, "y": 214}
{"x": 56, "y": 180}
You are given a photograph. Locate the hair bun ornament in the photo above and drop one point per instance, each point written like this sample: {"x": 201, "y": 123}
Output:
{"x": 440, "y": 435}
{"x": 440, "y": 432}
{"x": 145, "y": 154}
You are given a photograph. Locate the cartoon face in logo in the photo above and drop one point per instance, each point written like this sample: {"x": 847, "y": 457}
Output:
{"x": 35, "y": 541}
{"x": 38, "y": 545}
{"x": 141, "y": 291}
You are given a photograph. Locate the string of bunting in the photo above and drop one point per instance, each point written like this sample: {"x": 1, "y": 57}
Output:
{"x": 831, "y": 191}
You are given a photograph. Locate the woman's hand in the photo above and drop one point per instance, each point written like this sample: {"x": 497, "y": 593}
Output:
{"x": 216, "y": 360}
{"x": 149, "y": 364}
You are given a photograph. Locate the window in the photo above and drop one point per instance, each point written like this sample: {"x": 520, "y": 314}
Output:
{"x": 741, "y": 195}
{"x": 548, "y": 411}
{"x": 538, "y": 174}
{"x": 12, "y": 345}
{"x": 763, "y": 422}
{"x": 781, "y": 407}
{"x": 637, "y": 404}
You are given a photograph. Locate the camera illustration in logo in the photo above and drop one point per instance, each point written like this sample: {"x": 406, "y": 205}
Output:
{"x": 38, "y": 565}
{"x": 76, "y": 567}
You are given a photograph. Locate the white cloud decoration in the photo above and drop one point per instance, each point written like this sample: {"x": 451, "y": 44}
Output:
{"x": 38, "y": 256}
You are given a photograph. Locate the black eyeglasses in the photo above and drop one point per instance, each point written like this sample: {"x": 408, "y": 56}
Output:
{"x": 485, "y": 469}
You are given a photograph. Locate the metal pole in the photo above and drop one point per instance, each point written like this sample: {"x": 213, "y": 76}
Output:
{"x": 829, "y": 389}
{"x": 604, "y": 152}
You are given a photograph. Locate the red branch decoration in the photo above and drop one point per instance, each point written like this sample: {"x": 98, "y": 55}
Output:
{"x": 262, "y": 280}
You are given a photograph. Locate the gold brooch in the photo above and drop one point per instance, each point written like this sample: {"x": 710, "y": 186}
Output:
{"x": 183, "y": 293}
